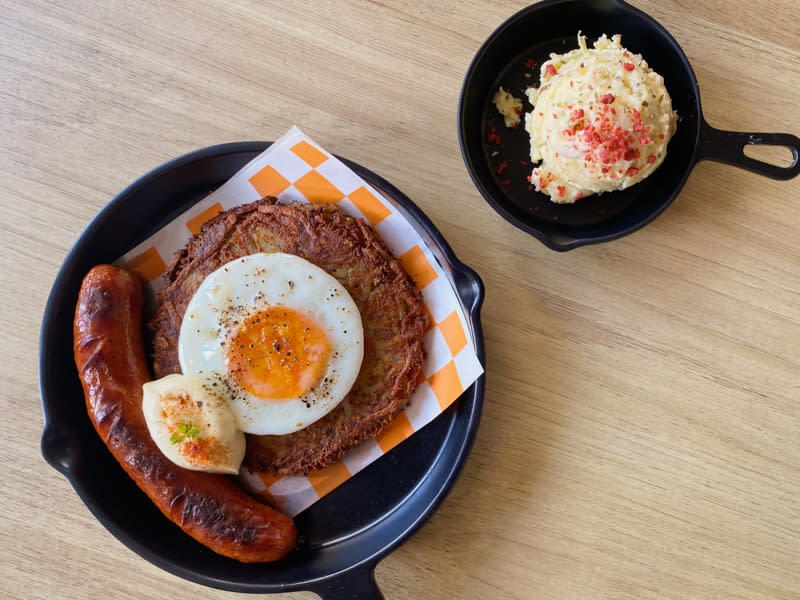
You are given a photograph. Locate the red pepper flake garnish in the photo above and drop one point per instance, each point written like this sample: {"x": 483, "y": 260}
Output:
{"x": 541, "y": 114}
{"x": 529, "y": 63}
{"x": 530, "y": 188}
{"x": 524, "y": 164}
{"x": 550, "y": 69}
{"x": 637, "y": 120}
{"x": 661, "y": 136}
{"x": 645, "y": 139}
{"x": 629, "y": 66}
{"x": 631, "y": 154}
{"x": 561, "y": 191}
{"x": 579, "y": 196}
{"x": 651, "y": 159}
{"x": 501, "y": 167}
{"x": 577, "y": 114}
{"x": 633, "y": 172}
{"x": 492, "y": 136}
{"x": 607, "y": 99}
{"x": 571, "y": 83}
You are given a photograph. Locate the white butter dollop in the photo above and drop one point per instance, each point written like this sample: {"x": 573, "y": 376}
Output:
{"x": 192, "y": 426}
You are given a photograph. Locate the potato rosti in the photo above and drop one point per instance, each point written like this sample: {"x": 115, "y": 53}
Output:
{"x": 391, "y": 308}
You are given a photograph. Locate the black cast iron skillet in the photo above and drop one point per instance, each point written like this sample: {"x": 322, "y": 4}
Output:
{"x": 552, "y": 26}
{"x": 346, "y": 533}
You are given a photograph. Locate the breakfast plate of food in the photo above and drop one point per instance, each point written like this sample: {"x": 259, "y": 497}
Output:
{"x": 133, "y": 416}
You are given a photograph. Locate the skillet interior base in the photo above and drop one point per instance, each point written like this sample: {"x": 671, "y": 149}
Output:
{"x": 511, "y": 164}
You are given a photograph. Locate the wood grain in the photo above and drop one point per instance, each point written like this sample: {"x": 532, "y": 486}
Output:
{"x": 640, "y": 433}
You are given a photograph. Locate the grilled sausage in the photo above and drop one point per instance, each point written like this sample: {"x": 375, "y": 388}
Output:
{"x": 110, "y": 357}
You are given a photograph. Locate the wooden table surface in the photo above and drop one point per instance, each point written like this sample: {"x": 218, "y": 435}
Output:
{"x": 641, "y": 430}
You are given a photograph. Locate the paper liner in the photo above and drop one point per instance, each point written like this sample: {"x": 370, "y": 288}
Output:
{"x": 296, "y": 169}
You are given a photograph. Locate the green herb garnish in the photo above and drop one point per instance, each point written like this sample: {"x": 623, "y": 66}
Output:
{"x": 186, "y": 431}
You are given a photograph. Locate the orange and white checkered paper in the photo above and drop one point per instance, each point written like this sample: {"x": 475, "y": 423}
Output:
{"x": 296, "y": 169}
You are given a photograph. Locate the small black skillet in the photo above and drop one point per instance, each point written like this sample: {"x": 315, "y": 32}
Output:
{"x": 511, "y": 57}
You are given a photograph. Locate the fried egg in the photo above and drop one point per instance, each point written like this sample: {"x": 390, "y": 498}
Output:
{"x": 192, "y": 426}
{"x": 275, "y": 335}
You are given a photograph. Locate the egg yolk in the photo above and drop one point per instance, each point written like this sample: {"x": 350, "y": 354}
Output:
{"x": 278, "y": 353}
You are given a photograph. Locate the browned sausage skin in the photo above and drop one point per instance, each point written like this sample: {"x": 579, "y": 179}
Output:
{"x": 109, "y": 354}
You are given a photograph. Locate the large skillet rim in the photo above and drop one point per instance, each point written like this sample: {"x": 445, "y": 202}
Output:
{"x": 470, "y": 290}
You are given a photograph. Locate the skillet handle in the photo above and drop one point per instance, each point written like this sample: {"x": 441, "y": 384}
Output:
{"x": 355, "y": 584}
{"x": 728, "y": 147}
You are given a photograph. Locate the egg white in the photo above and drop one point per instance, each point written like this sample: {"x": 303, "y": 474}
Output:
{"x": 260, "y": 282}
